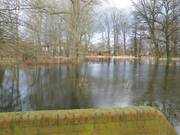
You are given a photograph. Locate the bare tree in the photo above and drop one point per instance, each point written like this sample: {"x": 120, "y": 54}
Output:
{"x": 148, "y": 12}
{"x": 78, "y": 7}
{"x": 168, "y": 22}
{"x": 104, "y": 25}
{"x": 124, "y": 26}
{"x": 135, "y": 36}
{"x": 115, "y": 17}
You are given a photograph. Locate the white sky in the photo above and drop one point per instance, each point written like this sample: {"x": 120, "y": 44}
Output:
{"x": 107, "y": 4}
{"x": 123, "y": 4}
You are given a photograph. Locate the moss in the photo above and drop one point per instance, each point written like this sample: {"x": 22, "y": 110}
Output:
{"x": 123, "y": 121}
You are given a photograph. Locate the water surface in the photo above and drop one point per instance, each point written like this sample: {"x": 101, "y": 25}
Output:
{"x": 93, "y": 85}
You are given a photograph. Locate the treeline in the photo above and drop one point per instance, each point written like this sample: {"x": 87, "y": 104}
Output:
{"x": 152, "y": 28}
{"x": 33, "y": 28}
{"x": 158, "y": 21}
{"x": 43, "y": 27}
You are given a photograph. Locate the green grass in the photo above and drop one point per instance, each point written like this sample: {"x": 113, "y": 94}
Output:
{"x": 127, "y": 121}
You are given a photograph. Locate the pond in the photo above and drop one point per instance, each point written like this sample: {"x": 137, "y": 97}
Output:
{"x": 93, "y": 85}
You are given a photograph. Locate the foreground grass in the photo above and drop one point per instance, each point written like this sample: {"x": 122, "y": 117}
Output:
{"x": 115, "y": 121}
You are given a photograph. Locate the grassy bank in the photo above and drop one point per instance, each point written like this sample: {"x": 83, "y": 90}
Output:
{"x": 116, "y": 121}
{"x": 49, "y": 60}
{"x": 8, "y": 62}
{"x": 129, "y": 58}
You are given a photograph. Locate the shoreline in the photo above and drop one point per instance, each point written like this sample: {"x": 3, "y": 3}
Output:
{"x": 131, "y": 58}
{"x": 68, "y": 60}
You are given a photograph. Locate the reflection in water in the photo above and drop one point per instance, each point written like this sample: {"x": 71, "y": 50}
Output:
{"x": 61, "y": 87}
{"x": 92, "y": 85}
{"x": 9, "y": 90}
{"x": 170, "y": 104}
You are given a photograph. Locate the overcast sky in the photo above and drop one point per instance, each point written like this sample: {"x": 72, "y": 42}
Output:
{"x": 125, "y": 4}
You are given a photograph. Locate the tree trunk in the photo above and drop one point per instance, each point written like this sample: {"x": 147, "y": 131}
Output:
{"x": 108, "y": 41}
{"x": 75, "y": 28}
{"x": 124, "y": 38}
